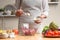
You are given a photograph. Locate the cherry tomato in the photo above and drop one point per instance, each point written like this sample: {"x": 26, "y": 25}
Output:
{"x": 15, "y": 31}
{"x": 59, "y": 32}
{"x": 51, "y": 32}
{"x": 48, "y": 34}
{"x": 56, "y": 32}
{"x": 19, "y": 13}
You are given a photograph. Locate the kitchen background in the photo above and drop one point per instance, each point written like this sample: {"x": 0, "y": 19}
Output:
{"x": 12, "y": 22}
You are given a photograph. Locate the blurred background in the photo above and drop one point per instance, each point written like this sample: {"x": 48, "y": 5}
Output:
{"x": 11, "y": 22}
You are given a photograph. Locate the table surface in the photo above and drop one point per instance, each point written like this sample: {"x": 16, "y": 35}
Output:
{"x": 35, "y": 37}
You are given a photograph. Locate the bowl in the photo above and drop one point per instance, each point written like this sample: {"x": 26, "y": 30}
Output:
{"x": 30, "y": 32}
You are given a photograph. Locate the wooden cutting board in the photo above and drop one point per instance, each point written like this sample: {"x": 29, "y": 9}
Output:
{"x": 36, "y": 37}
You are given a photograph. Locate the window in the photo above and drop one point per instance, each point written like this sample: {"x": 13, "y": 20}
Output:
{"x": 53, "y": 1}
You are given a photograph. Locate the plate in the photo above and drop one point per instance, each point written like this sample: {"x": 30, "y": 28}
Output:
{"x": 53, "y": 36}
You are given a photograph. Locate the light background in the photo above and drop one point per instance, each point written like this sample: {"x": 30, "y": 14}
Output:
{"x": 12, "y": 22}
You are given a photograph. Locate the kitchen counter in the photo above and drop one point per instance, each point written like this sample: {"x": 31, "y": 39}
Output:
{"x": 36, "y": 37}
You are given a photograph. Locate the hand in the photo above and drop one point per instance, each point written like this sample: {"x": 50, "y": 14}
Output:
{"x": 19, "y": 12}
{"x": 38, "y": 20}
{"x": 42, "y": 16}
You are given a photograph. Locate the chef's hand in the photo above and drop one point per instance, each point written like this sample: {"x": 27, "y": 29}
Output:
{"x": 19, "y": 12}
{"x": 37, "y": 21}
{"x": 40, "y": 19}
{"x": 42, "y": 16}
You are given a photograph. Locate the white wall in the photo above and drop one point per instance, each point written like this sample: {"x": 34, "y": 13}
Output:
{"x": 54, "y": 15}
{"x": 10, "y": 22}
{"x": 5, "y": 2}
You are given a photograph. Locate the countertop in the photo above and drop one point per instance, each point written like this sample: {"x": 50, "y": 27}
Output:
{"x": 35, "y": 37}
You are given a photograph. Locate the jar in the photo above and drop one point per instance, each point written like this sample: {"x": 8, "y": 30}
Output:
{"x": 26, "y": 31}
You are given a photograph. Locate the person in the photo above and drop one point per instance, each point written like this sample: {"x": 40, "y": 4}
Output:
{"x": 27, "y": 10}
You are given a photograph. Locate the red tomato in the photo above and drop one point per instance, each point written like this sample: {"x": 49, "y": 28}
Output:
{"x": 19, "y": 13}
{"x": 56, "y": 32}
{"x": 15, "y": 31}
{"x": 50, "y": 32}
{"x": 59, "y": 32}
{"x": 47, "y": 34}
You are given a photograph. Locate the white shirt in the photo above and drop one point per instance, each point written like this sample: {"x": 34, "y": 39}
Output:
{"x": 37, "y": 5}
{"x": 34, "y": 7}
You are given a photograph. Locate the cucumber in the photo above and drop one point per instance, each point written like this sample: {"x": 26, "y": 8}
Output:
{"x": 53, "y": 26}
{"x": 46, "y": 28}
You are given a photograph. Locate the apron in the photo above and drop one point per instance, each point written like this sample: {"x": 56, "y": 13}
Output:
{"x": 34, "y": 7}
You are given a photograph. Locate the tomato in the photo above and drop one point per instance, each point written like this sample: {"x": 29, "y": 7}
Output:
{"x": 19, "y": 13}
{"x": 50, "y": 32}
{"x": 15, "y": 31}
{"x": 56, "y": 33}
{"x": 48, "y": 35}
{"x": 59, "y": 32}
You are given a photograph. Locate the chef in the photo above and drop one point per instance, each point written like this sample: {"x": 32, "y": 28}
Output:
{"x": 29, "y": 10}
